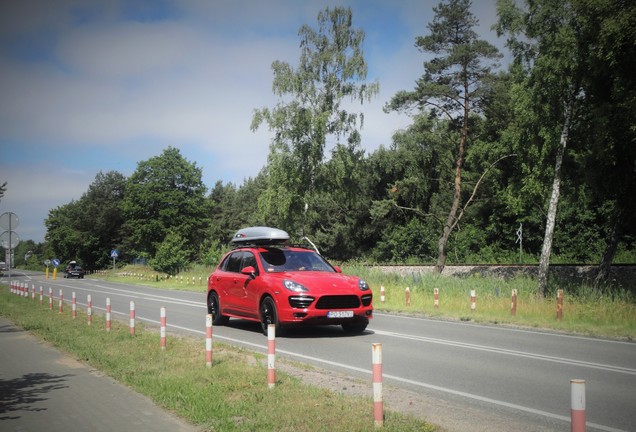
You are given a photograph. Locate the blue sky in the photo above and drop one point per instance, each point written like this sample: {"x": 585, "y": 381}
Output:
{"x": 90, "y": 86}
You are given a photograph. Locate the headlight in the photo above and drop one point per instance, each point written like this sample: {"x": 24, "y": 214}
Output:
{"x": 294, "y": 286}
{"x": 363, "y": 285}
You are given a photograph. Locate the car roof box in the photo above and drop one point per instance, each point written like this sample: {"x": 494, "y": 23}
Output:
{"x": 259, "y": 236}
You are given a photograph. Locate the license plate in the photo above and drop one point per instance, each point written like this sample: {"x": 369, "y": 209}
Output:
{"x": 340, "y": 314}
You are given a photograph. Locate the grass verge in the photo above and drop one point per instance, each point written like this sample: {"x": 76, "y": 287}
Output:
{"x": 231, "y": 396}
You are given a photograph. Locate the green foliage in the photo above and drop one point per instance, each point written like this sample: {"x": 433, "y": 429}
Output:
{"x": 172, "y": 255}
{"x": 87, "y": 229}
{"x": 165, "y": 194}
{"x": 454, "y": 87}
{"x": 331, "y": 68}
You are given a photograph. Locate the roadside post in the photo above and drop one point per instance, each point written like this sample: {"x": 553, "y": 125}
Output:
{"x": 132, "y": 318}
{"x": 89, "y": 309}
{"x": 271, "y": 356}
{"x": 162, "y": 323}
{"x": 378, "y": 404}
{"x": 208, "y": 340}
{"x": 577, "y": 404}
{"x": 436, "y": 298}
{"x": 559, "y": 314}
{"x": 108, "y": 323}
{"x": 513, "y": 303}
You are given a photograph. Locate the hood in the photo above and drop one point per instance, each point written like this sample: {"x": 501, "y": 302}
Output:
{"x": 321, "y": 282}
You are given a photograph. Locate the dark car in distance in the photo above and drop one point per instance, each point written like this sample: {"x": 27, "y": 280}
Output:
{"x": 74, "y": 270}
{"x": 267, "y": 281}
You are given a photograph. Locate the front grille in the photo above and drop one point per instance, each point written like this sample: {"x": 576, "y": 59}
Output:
{"x": 338, "y": 302}
{"x": 300, "y": 302}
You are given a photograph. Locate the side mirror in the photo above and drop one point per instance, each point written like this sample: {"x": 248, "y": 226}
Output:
{"x": 337, "y": 269}
{"x": 249, "y": 270}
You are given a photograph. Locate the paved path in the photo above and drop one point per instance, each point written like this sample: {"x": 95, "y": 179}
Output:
{"x": 42, "y": 389}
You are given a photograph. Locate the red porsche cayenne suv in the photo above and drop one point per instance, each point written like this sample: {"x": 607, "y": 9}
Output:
{"x": 263, "y": 279}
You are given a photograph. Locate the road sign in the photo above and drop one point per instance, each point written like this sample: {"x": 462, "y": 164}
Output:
{"x": 56, "y": 262}
{"x": 47, "y": 262}
{"x": 9, "y": 239}
{"x": 114, "y": 253}
{"x": 9, "y": 221}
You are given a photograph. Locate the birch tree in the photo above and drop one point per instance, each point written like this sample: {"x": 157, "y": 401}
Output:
{"x": 548, "y": 55}
{"x": 331, "y": 68}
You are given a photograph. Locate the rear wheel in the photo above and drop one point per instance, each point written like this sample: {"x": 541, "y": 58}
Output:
{"x": 214, "y": 309}
{"x": 269, "y": 315}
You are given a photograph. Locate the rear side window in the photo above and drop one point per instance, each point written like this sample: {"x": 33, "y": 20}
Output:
{"x": 233, "y": 262}
{"x": 237, "y": 261}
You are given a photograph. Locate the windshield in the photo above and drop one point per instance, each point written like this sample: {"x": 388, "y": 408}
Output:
{"x": 285, "y": 260}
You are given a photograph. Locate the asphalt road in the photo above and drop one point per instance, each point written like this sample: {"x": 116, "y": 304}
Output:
{"x": 519, "y": 375}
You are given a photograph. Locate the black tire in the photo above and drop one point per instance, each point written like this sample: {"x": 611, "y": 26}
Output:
{"x": 214, "y": 309}
{"x": 269, "y": 315}
{"x": 355, "y": 328}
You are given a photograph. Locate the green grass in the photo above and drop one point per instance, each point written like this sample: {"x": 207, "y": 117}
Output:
{"x": 584, "y": 311}
{"x": 232, "y": 395}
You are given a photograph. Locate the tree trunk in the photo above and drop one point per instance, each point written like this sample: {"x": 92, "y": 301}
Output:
{"x": 608, "y": 255}
{"x": 546, "y": 249}
{"x": 451, "y": 221}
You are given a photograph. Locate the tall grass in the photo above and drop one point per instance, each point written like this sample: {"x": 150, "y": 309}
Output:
{"x": 585, "y": 311}
{"x": 231, "y": 396}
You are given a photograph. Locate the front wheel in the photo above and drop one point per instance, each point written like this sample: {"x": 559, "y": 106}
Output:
{"x": 214, "y": 309}
{"x": 269, "y": 315}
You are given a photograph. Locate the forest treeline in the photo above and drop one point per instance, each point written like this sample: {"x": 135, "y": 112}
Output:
{"x": 529, "y": 163}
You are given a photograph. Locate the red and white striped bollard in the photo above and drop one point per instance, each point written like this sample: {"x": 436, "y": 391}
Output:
{"x": 436, "y": 298}
{"x": 271, "y": 356}
{"x": 513, "y": 303}
{"x": 208, "y": 340}
{"x": 89, "y": 309}
{"x": 577, "y": 405}
{"x": 473, "y": 300}
{"x": 162, "y": 328}
{"x": 41, "y": 296}
{"x": 407, "y": 296}
{"x": 33, "y": 293}
{"x": 378, "y": 404}
{"x": 74, "y": 306}
{"x": 61, "y": 301}
{"x": 381, "y": 294}
{"x": 108, "y": 323}
{"x": 132, "y": 318}
{"x": 50, "y": 298}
